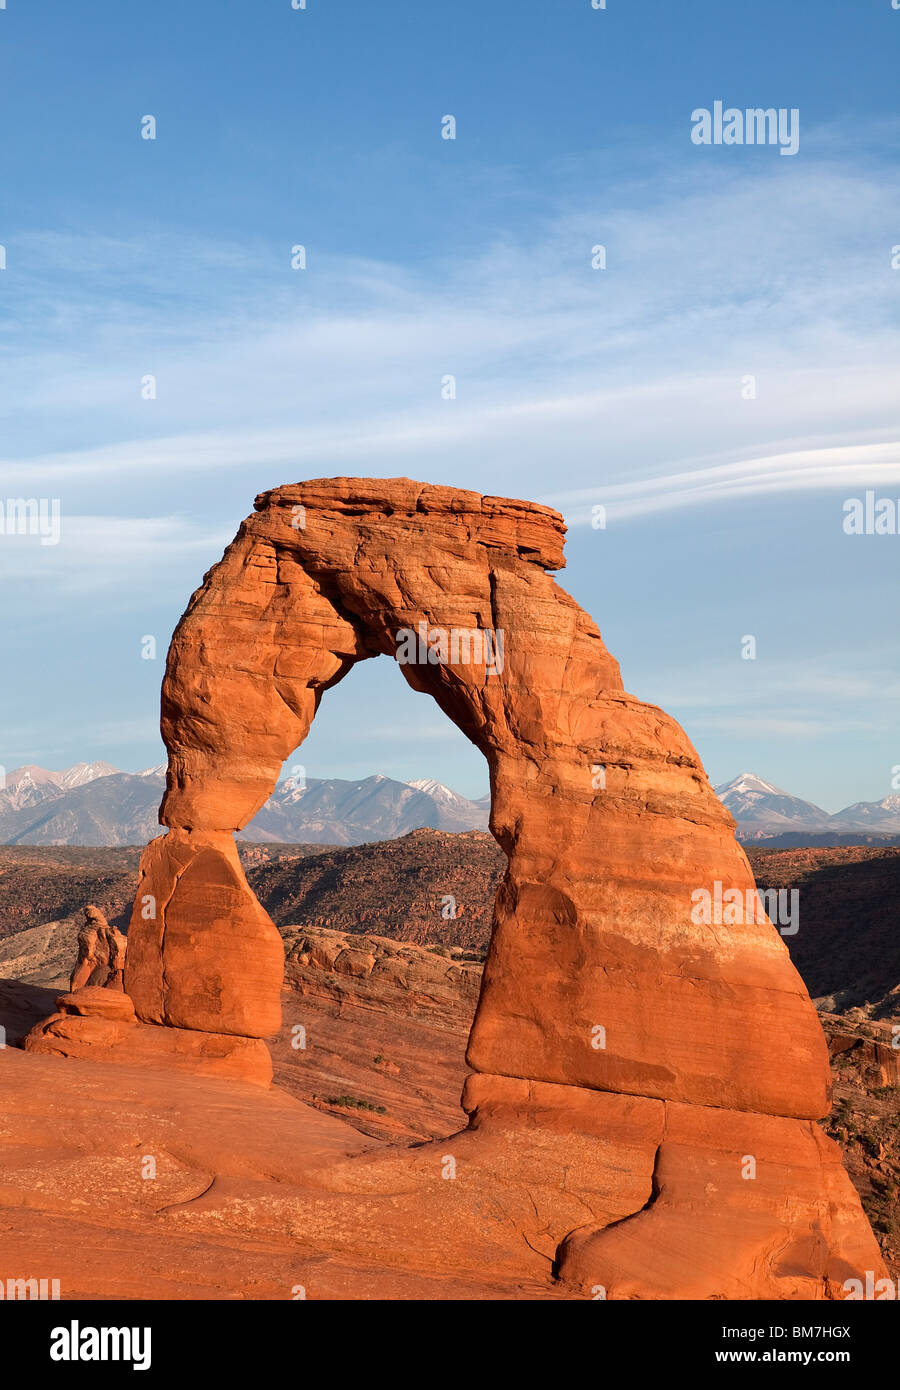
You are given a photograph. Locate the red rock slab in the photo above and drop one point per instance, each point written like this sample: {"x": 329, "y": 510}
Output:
{"x": 743, "y": 1207}
{"x": 101, "y": 1038}
{"x": 406, "y": 1072}
{"x": 216, "y": 1125}
{"x": 499, "y": 1196}
{"x": 95, "y": 1261}
{"x": 236, "y": 1210}
{"x": 485, "y": 1210}
{"x": 95, "y": 1001}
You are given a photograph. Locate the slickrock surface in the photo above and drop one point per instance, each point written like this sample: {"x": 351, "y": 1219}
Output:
{"x": 630, "y": 1058}
{"x": 100, "y": 1024}
{"x": 385, "y": 1027}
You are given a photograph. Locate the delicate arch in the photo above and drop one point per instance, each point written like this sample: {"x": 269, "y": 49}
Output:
{"x": 599, "y": 800}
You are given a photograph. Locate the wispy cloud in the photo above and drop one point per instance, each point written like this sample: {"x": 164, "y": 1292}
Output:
{"x": 130, "y": 554}
{"x": 630, "y": 373}
{"x": 623, "y": 386}
{"x": 858, "y": 466}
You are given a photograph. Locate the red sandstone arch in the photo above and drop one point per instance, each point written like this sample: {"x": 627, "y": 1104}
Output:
{"x": 712, "y": 1046}
{"x": 593, "y": 922}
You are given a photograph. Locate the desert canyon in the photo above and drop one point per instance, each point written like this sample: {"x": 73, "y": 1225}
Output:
{"x": 643, "y": 1096}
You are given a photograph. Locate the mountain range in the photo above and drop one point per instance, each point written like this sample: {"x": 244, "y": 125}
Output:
{"x": 764, "y": 813}
{"x": 95, "y": 804}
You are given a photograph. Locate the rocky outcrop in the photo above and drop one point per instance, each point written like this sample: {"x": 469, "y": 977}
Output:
{"x": 41, "y": 955}
{"x": 869, "y": 1046}
{"x": 438, "y": 985}
{"x": 375, "y": 1031}
{"x": 100, "y": 1025}
{"x": 202, "y": 953}
{"x": 101, "y": 953}
{"x": 429, "y": 886}
{"x": 602, "y": 976}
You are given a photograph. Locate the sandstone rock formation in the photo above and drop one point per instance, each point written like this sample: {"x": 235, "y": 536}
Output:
{"x": 116, "y": 946}
{"x": 876, "y": 1057}
{"x": 96, "y": 1018}
{"x": 101, "y": 952}
{"x": 100, "y": 1024}
{"x": 607, "y": 1007}
{"x": 202, "y": 953}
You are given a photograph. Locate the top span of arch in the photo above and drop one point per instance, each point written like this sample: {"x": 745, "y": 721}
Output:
{"x": 450, "y": 583}
{"x": 534, "y": 532}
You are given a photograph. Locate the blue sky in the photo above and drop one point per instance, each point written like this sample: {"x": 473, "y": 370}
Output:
{"x": 426, "y": 256}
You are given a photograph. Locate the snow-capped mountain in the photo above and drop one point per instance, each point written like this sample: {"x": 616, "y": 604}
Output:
{"x": 292, "y": 789}
{"x": 458, "y": 812}
{"x": 762, "y": 809}
{"x": 29, "y": 785}
{"x": 81, "y": 773}
{"x": 335, "y": 811}
{"x": 88, "y": 804}
{"x": 880, "y": 817}
{"x": 94, "y": 804}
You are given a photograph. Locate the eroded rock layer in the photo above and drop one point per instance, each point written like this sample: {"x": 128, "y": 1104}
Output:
{"x": 100, "y": 1025}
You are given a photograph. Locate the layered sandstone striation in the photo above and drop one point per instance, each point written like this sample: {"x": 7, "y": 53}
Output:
{"x": 608, "y": 1007}
{"x": 375, "y": 1031}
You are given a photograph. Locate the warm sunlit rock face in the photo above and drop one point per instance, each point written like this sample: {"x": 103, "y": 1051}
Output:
{"x": 599, "y": 800}
{"x": 601, "y": 977}
{"x": 202, "y": 953}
